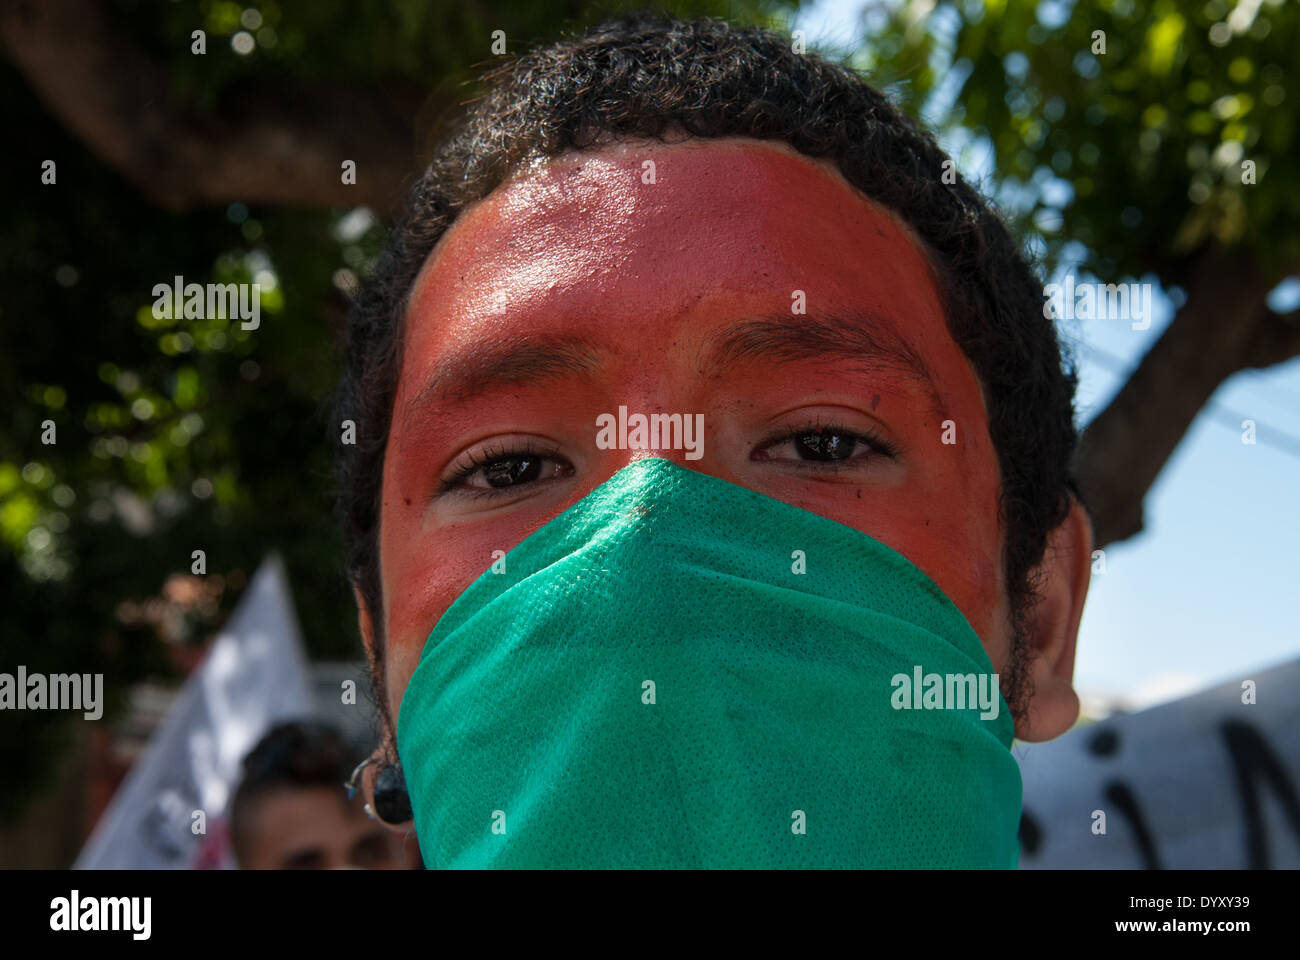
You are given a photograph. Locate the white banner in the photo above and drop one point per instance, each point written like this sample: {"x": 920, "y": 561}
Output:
{"x": 254, "y": 675}
{"x": 1208, "y": 781}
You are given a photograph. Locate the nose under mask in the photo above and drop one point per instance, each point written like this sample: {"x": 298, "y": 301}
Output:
{"x": 678, "y": 672}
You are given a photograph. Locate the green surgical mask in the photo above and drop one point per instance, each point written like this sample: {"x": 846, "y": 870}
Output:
{"x": 677, "y": 672}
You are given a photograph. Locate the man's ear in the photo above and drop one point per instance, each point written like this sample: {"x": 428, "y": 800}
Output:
{"x": 1053, "y": 627}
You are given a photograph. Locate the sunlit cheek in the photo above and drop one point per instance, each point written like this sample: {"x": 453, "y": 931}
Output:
{"x": 938, "y": 534}
{"x": 972, "y": 583}
{"x": 426, "y": 568}
{"x": 428, "y": 574}
{"x": 420, "y": 581}
{"x": 979, "y": 530}
{"x": 956, "y": 520}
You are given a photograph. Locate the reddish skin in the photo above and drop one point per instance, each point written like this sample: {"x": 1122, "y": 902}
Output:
{"x": 581, "y": 247}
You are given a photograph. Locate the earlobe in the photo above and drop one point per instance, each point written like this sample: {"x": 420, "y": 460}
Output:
{"x": 1054, "y": 629}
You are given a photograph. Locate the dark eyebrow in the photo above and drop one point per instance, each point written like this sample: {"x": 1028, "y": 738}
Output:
{"x": 865, "y": 338}
{"x": 517, "y": 360}
{"x": 530, "y": 359}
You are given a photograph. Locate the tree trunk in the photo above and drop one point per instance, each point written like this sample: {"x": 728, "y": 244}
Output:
{"x": 1225, "y": 326}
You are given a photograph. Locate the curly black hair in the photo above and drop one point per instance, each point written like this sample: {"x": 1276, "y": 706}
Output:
{"x": 645, "y": 76}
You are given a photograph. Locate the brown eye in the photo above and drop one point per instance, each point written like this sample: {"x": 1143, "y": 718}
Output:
{"x": 508, "y": 471}
{"x": 823, "y": 445}
{"x": 826, "y": 445}
{"x": 501, "y": 468}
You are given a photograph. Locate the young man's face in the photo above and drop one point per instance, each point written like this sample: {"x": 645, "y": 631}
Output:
{"x": 579, "y": 287}
{"x": 317, "y": 828}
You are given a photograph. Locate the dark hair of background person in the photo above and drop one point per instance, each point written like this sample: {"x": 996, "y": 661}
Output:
{"x": 296, "y": 755}
{"x": 644, "y": 76}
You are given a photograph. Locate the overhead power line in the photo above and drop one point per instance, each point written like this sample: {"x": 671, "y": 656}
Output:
{"x": 1265, "y": 434}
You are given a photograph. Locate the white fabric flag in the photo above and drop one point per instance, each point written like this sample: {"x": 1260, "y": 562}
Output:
{"x": 1211, "y": 781}
{"x": 254, "y": 675}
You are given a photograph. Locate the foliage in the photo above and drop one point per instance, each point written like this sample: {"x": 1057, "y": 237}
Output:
{"x": 1125, "y": 161}
{"x": 186, "y": 434}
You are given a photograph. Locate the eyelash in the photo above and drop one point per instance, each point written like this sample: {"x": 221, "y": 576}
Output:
{"x": 474, "y": 461}
{"x": 879, "y": 446}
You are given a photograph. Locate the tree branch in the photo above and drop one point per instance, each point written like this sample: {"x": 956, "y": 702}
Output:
{"x": 279, "y": 144}
{"x": 1277, "y": 338}
{"x": 1224, "y": 327}
{"x": 284, "y": 144}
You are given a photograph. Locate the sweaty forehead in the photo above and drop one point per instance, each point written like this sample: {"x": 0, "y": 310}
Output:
{"x": 607, "y": 236}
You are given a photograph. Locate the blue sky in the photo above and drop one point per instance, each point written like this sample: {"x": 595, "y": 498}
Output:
{"x": 1207, "y": 592}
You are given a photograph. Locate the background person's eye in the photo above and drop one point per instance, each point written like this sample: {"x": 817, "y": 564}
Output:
{"x": 823, "y": 444}
{"x": 497, "y": 470}
{"x": 311, "y": 859}
{"x": 371, "y": 850}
